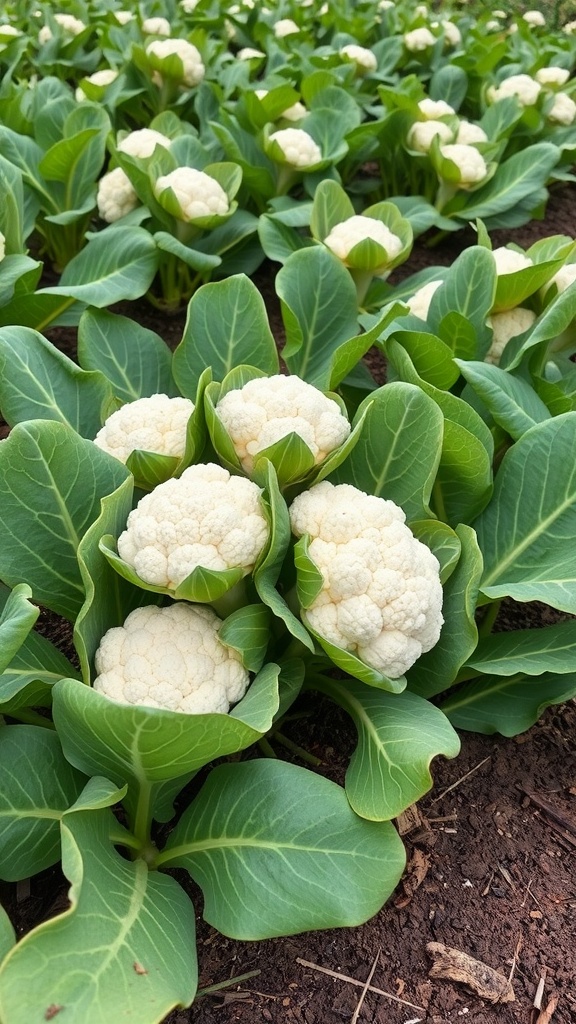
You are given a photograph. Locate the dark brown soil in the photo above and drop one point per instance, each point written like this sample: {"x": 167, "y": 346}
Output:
{"x": 496, "y": 870}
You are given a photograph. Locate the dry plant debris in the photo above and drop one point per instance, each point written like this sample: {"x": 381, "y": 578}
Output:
{"x": 458, "y": 966}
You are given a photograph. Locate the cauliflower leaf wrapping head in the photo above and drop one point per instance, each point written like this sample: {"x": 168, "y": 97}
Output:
{"x": 381, "y": 596}
{"x": 196, "y": 194}
{"x": 206, "y": 518}
{"x": 170, "y": 658}
{"x": 156, "y": 424}
{"x": 266, "y": 409}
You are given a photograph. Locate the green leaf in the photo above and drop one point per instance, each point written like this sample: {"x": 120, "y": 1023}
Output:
{"x": 469, "y": 289}
{"x": 432, "y": 358}
{"x": 556, "y": 318}
{"x": 436, "y": 670}
{"x": 145, "y": 746}
{"x": 346, "y": 356}
{"x": 464, "y": 482}
{"x": 527, "y": 532}
{"x": 135, "y": 360}
{"x": 199, "y": 261}
{"x": 398, "y": 735}
{"x": 331, "y": 206}
{"x": 102, "y": 274}
{"x": 125, "y": 945}
{"x": 51, "y": 484}
{"x": 19, "y": 276}
{"x": 39, "y": 382}
{"x": 442, "y": 540}
{"x": 279, "y": 240}
{"x": 16, "y": 620}
{"x": 530, "y": 651}
{"x": 38, "y": 785}
{"x": 514, "y": 405}
{"x": 397, "y": 454}
{"x": 247, "y": 630}
{"x": 516, "y": 178}
{"x": 319, "y": 309}
{"x": 7, "y": 934}
{"x": 507, "y": 705}
{"x": 277, "y": 850}
{"x": 227, "y": 325}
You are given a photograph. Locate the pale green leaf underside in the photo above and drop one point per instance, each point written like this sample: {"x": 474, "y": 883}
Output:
{"x": 507, "y": 705}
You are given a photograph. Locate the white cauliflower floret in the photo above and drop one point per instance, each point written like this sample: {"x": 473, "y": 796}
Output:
{"x": 156, "y": 26}
{"x": 452, "y": 33}
{"x": 569, "y": 28}
{"x": 123, "y": 17}
{"x": 470, "y": 163}
{"x": 2, "y": 246}
{"x": 67, "y": 22}
{"x": 433, "y": 109}
{"x": 99, "y": 78}
{"x": 523, "y": 87}
{"x": 9, "y": 31}
{"x": 552, "y": 76}
{"x": 422, "y": 132}
{"x": 534, "y": 18}
{"x": 170, "y": 658}
{"x": 350, "y": 232}
{"x": 249, "y": 53}
{"x": 116, "y": 196}
{"x": 419, "y": 304}
{"x": 285, "y": 27}
{"x": 156, "y": 424}
{"x": 143, "y": 142}
{"x": 198, "y": 194}
{"x": 364, "y": 59}
{"x": 266, "y": 409}
{"x": 469, "y": 134}
{"x": 418, "y": 39}
{"x": 563, "y": 109}
{"x": 299, "y": 148}
{"x": 188, "y": 6}
{"x": 508, "y": 261}
{"x": 205, "y": 518}
{"x": 506, "y": 326}
{"x": 563, "y": 278}
{"x": 192, "y": 67}
{"x": 293, "y": 113}
{"x": 381, "y": 596}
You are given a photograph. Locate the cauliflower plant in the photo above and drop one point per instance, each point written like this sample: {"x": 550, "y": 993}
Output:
{"x": 534, "y": 18}
{"x": 116, "y": 197}
{"x": 452, "y": 35}
{"x": 364, "y": 59}
{"x": 192, "y": 67}
{"x": 205, "y": 518}
{"x": 198, "y": 194}
{"x": 469, "y": 134}
{"x": 433, "y": 109}
{"x": 155, "y": 424}
{"x": 298, "y": 147}
{"x": 143, "y": 142}
{"x": 381, "y": 595}
{"x": 422, "y": 132}
{"x": 266, "y": 409}
{"x": 471, "y": 165}
{"x": 170, "y": 658}
{"x": 563, "y": 109}
{"x": 551, "y": 76}
{"x": 418, "y": 39}
{"x": 123, "y": 17}
{"x": 506, "y": 326}
{"x": 351, "y": 232}
{"x": 156, "y": 27}
{"x": 523, "y": 87}
{"x": 100, "y": 79}
{"x": 293, "y": 113}
{"x": 563, "y": 278}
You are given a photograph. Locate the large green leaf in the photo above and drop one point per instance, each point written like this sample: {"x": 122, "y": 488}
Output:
{"x": 556, "y": 318}
{"x": 7, "y": 934}
{"x": 397, "y": 454}
{"x": 125, "y": 947}
{"x": 507, "y": 705}
{"x": 436, "y": 670}
{"x": 432, "y": 358}
{"x": 135, "y": 360}
{"x": 464, "y": 482}
{"x": 278, "y": 850}
{"x": 514, "y": 405}
{"x": 104, "y": 273}
{"x": 469, "y": 289}
{"x": 38, "y": 785}
{"x": 319, "y": 309}
{"x": 17, "y": 616}
{"x": 146, "y": 746}
{"x": 39, "y": 382}
{"x": 227, "y": 325}
{"x": 51, "y": 484}
{"x": 516, "y": 178}
{"x": 530, "y": 651}
{"x": 527, "y": 532}
{"x": 398, "y": 735}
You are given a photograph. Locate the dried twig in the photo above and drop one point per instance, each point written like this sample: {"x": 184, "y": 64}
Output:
{"x": 458, "y": 966}
{"x": 515, "y": 958}
{"x": 458, "y": 781}
{"x": 550, "y": 811}
{"x": 356, "y": 1013}
{"x": 537, "y": 1004}
{"x": 225, "y": 984}
{"x": 359, "y": 984}
{"x": 546, "y": 1015}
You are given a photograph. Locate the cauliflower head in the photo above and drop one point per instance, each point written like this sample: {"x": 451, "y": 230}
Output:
{"x": 470, "y": 134}
{"x": 418, "y": 39}
{"x": 155, "y": 424}
{"x": 419, "y": 303}
{"x": 2, "y": 246}
{"x": 422, "y": 132}
{"x": 563, "y": 109}
{"x": 469, "y": 161}
{"x": 198, "y": 194}
{"x": 508, "y": 261}
{"x": 266, "y": 409}
{"x": 364, "y": 59}
{"x": 506, "y": 326}
{"x": 381, "y": 596}
{"x": 534, "y": 18}
{"x": 156, "y": 27}
{"x": 143, "y": 142}
{"x": 192, "y": 67}
{"x": 249, "y": 53}
{"x": 116, "y": 197}
{"x": 170, "y": 658}
{"x": 552, "y": 76}
{"x": 298, "y": 147}
{"x": 523, "y": 87}
{"x": 348, "y": 233}
{"x": 433, "y": 109}
{"x": 205, "y": 518}
{"x": 99, "y": 78}
{"x": 285, "y": 27}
